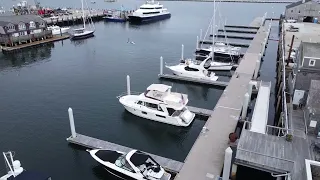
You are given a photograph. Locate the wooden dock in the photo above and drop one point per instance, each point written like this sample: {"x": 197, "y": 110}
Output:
{"x": 232, "y": 36}
{"x": 231, "y": 43}
{"x": 200, "y": 111}
{"x": 170, "y": 165}
{"x": 75, "y": 17}
{"x": 34, "y": 43}
{"x": 237, "y": 31}
{"x": 206, "y": 158}
{"x": 194, "y": 80}
{"x": 241, "y": 26}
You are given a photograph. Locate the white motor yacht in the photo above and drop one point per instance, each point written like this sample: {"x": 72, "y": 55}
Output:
{"x": 132, "y": 165}
{"x": 193, "y": 70}
{"x": 158, "y": 103}
{"x": 221, "y": 52}
{"x": 150, "y": 11}
{"x": 57, "y": 30}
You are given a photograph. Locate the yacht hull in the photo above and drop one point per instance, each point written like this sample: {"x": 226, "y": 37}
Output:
{"x": 189, "y": 75}
{"x": 138, "y": 19}
{"x": 84, "y": 36}
{"x": 154, "y": 117}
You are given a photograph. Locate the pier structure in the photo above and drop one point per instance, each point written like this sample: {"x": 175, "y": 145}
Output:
{"x": 75, "y": 18}
{"x": 169, "y": 165}
{"x": 206, "y": 158}
{"x": 243, "y": 1}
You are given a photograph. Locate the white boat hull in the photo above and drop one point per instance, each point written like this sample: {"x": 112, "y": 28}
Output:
{"x": 57, "y": 31}
{"x": 129, "y": 103}
{"x": 191, "y": 74}
{"x": 216, "y": 66}
{"x": 152, "y": 116}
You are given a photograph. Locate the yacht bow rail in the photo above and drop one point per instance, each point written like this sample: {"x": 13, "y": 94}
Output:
{"x": 126, "y": 93}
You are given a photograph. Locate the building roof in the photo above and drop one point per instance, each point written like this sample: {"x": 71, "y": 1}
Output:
{"x": 304, "y": 78}
{"x": 4, "y": 20}
{"x": 296, "y": 4}
{"x": 314, "y": 95}
{"x": 311, "y": 49}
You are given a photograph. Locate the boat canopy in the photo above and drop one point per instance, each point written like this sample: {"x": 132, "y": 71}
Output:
{"x": 159, "y": 87}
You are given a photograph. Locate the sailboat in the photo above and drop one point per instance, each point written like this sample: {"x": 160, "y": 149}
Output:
{"x": 82, "y": 33}
{"x": 218, "y": 50}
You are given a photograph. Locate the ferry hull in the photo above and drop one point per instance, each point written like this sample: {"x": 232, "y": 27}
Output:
{"x": 108, "y": 19}
{"x": 137, "y": 19}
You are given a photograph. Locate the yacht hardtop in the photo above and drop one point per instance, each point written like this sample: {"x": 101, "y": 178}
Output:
{"x": 161, "y": 93}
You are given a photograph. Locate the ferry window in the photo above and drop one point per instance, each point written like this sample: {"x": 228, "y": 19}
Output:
{"x": 151, "y": 12}
{"x": 291, "y": 10}
{"x": 158, "y": 8}
{"x": 187, "y": 68}
{"x": 146, "y": 8}
{"x": 312, "y": 62}
{"x": 150, "y": 105}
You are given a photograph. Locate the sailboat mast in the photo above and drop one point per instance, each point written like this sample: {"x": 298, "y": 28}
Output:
{"x": 83, "y": 18}
{"x": 213, "y": 28}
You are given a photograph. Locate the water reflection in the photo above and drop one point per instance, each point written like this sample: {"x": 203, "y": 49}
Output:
{"x": 79, "y": 42}
{"x": 26, "y": 56}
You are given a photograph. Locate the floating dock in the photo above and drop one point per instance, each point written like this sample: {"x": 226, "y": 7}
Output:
{"x": 169, "y": 165}
{"x": 231, "y": 43}
{"x": 193, "y": 80}
{"x": 200, "y": 111}
{"x": 206, "y": 158}
{"x": 233, "y": 36}
{"x": 237, "y": 31}
{"x": 34, "y": 43}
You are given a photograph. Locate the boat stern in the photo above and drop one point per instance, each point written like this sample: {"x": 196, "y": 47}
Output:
{"x": 187, "y": 117}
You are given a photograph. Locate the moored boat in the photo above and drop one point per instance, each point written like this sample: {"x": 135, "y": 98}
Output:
{"x": 158, "y": 103}
{"x": 134, "y": 165}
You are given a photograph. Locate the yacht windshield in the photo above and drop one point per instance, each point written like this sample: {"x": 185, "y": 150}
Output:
{"x": 121, "y": 162}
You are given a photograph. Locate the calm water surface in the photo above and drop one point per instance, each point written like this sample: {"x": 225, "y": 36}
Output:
{"x": 38, "y": 85}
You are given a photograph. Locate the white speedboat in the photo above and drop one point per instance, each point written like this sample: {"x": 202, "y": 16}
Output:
{"x": 158, "y": 103}
{"x": 15, "y": 171}
{"x": 132, "y": 165}
{"x": 57, "y": 30}
{"x": 193, "y": 70}
{"x": 220, "y": 66}
{"x": 148, "y": 12}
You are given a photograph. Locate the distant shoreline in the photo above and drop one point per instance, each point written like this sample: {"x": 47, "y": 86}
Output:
{"x": 242, "y": 1}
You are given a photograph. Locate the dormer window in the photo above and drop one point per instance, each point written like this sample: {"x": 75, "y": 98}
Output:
{"x": 10, "y": 27}
{"x": 312, "y": 62}
{"x": 32, "y": 24}
{"x": 22, "y": 26}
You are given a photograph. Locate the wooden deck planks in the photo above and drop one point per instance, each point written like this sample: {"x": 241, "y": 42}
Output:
{"x": 205, "y": 159}
{"x": 93, "y": 143}
{"x": 200, "y": 111}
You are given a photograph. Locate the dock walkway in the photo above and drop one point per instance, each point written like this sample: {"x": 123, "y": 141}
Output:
{"x": 206, "y": 157}
{"x": 34, "y": 43}
{"x": 200, "y": 111}
{"x": 93, "y": 143}
{"x": 194, "y": 80}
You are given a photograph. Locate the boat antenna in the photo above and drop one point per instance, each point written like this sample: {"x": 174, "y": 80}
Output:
{"x": 213, "y": 28}
{"x": 83, "y": 18}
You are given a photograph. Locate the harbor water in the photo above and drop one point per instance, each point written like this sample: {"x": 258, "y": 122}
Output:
{"x": 39, "y": 84}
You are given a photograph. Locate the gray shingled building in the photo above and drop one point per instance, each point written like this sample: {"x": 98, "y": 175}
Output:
{"x": 22, "y": 29}
{"x": 303, "y": 11}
